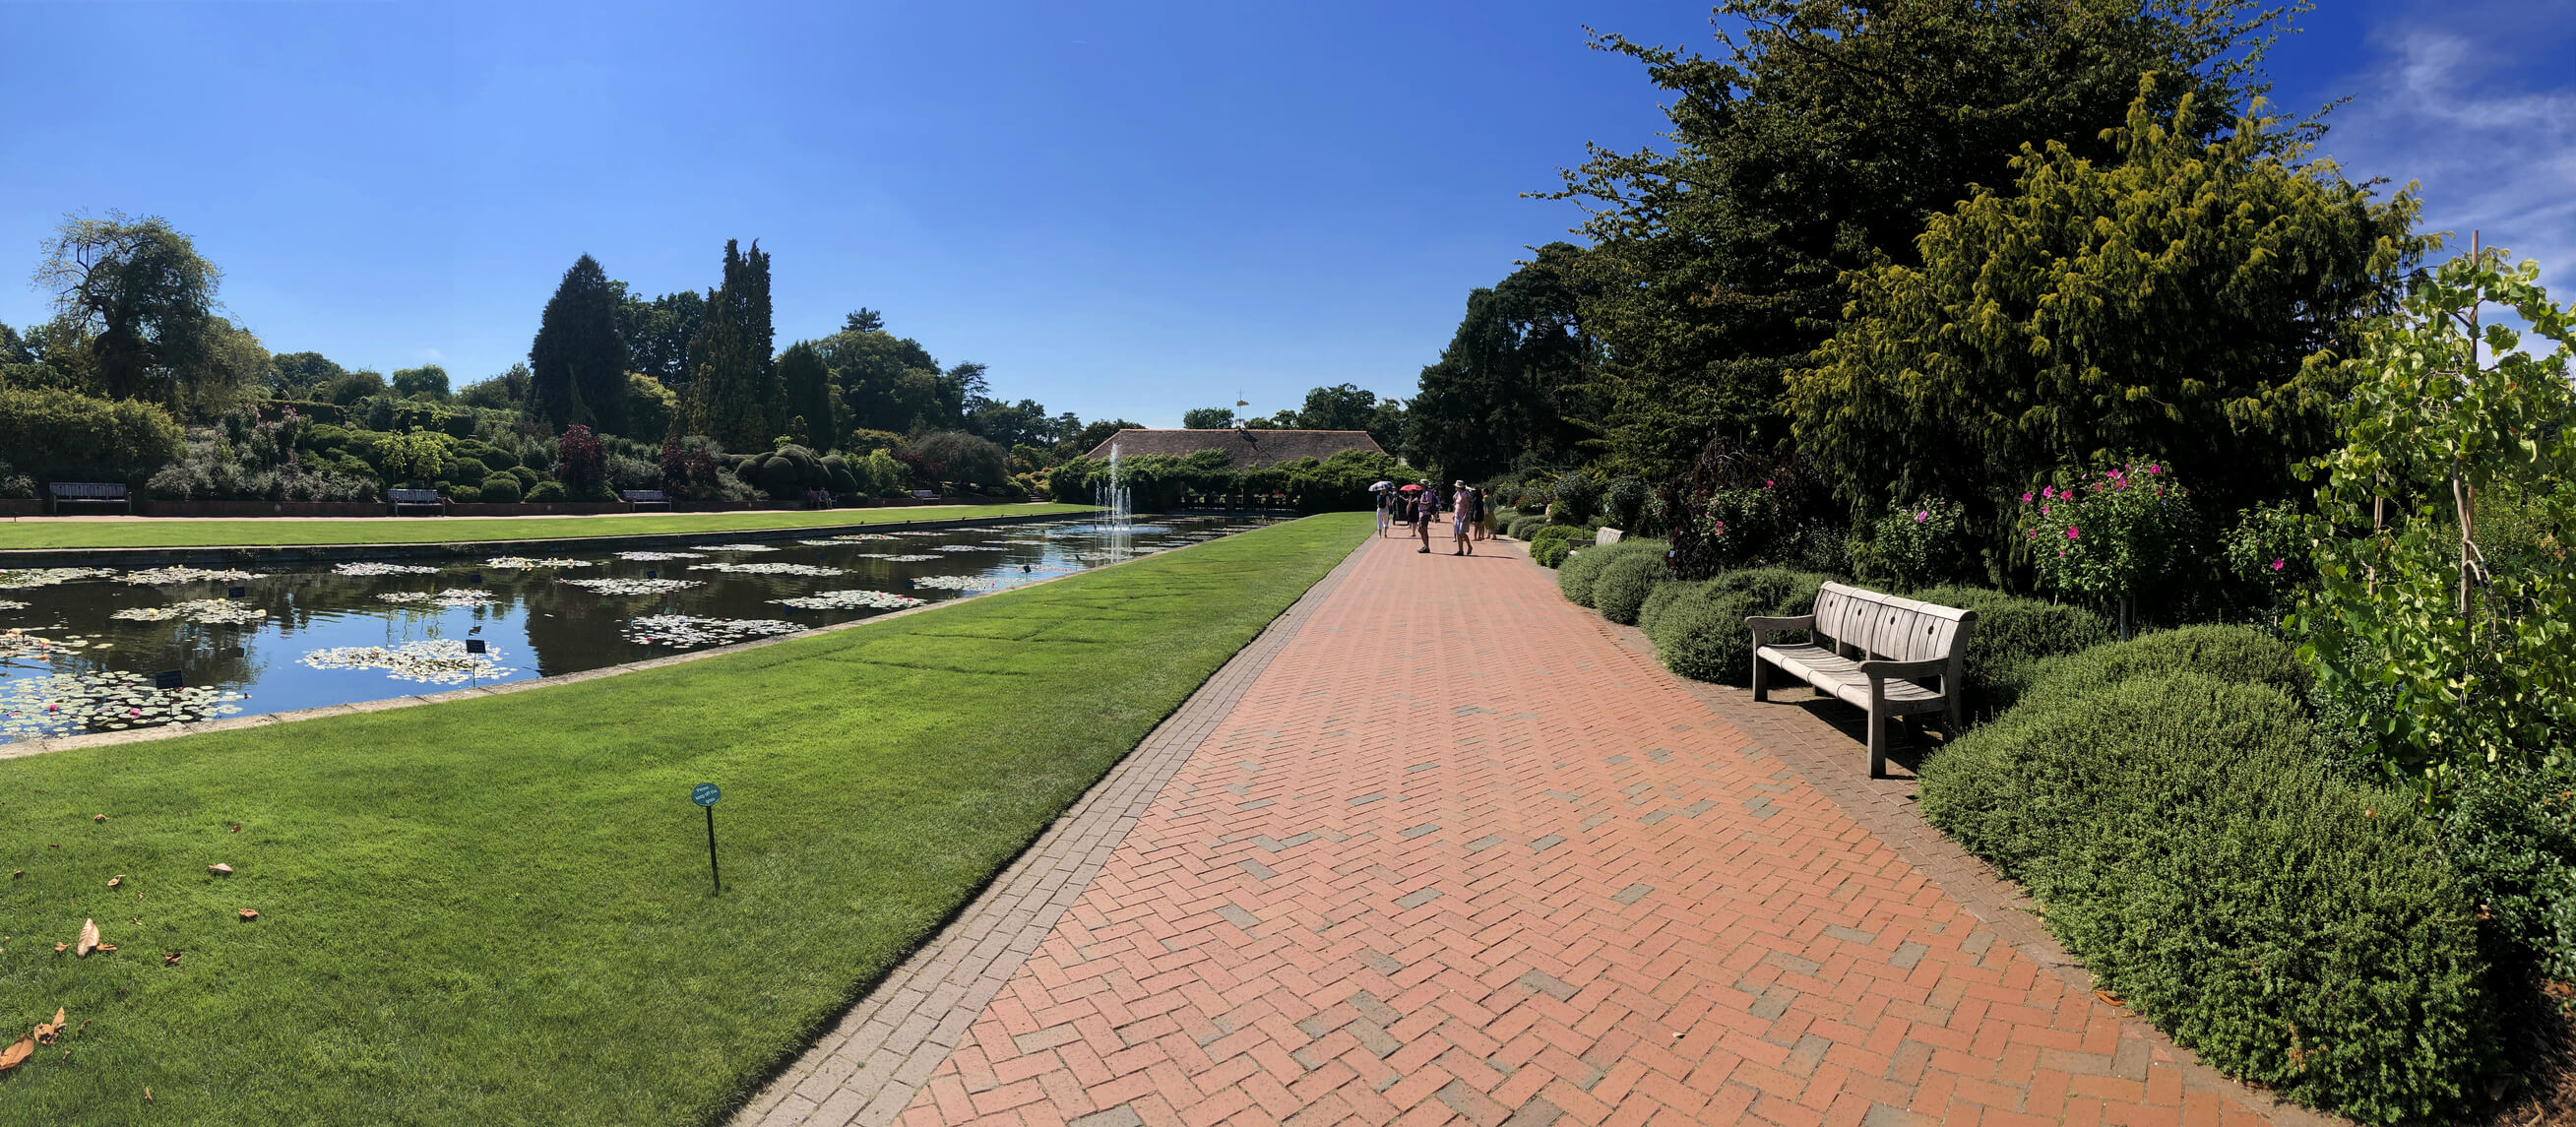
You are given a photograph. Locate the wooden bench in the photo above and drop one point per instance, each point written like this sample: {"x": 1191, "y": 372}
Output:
{"x": 925, "y": 494}
{"x": 645, "y": 498}
{"x": 88, "y": 493}
{"x": 1873, "y": 651}
{"x": 414, "y": 499}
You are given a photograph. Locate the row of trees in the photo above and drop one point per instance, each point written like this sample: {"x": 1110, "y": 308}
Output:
{"x": 1340, "y": 407}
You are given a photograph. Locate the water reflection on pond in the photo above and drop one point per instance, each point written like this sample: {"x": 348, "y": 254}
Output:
{"x": 79, "y": 647}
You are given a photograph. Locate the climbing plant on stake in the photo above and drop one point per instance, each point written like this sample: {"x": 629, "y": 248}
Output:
{"x": 2473, "y": 665}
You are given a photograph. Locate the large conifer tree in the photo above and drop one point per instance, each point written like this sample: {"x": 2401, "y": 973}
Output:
{"x": 578, "y": 359}
{"x": 733, "y": 395}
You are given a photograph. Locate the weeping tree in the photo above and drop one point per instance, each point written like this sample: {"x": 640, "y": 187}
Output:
{"x": 135, "y": 303}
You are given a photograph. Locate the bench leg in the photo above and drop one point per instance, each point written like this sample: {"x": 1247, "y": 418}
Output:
{"x": 1761, "y": 682}
{"x": 1877, "y": 744}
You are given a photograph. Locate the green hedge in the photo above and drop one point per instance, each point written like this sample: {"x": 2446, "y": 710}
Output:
{"x": 2187, "y": 842}
{"x": 2240, "y": 655}
{"x": 1700, "y": 633}
{"x": 1627, "y": 577}
{"x": 1663, "y": 598}
{"x": 56, "y": 435}
{"x": 1577, "y": 573}
{"x": 1524, "y": 526}
{"x": 2013, "y": 635}
{"x": 1548, "y": 546}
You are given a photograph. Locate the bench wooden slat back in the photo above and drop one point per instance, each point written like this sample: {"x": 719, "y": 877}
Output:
{"x": 1870, "y": 624}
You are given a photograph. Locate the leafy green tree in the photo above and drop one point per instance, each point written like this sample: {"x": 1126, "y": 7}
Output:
{"x": 429, "y": 381}
{"x": 350, "y": 387}
{"x": 1092, "y": 435}
{"x": 884, "y": 382}
{"x": 414, "y": 457}
{"x": 578, "y": 359}
{"x": 733, "y": 390}
{"x": 1341, "y": 407}
{"x": 1009, "y": 425}
{"x": 958, "y": 456}
{"x": 1208, "y": 418}
{"x": 807, "y": 386}
{"x": 142, "y": 301}
{"x": 300, "y": 375}
{"x": 2184, "y": 300}
{"x": 14, "y": 348}
{"x": 2456, "y": 659}
{"x": 1817, "y": 144}
{"x": 658, "y": 332}
{"x": 1507, "y": 389}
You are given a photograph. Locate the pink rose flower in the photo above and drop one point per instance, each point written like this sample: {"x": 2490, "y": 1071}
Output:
{"x": 2276, "y": 565}
{"x": 2073, "y": 532}
{"x": 1920, "y": 516}
{"x": 2025, "y": 496}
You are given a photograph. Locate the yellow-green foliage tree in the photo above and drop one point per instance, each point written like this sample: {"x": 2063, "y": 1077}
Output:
{"x": 2187, "y": 301}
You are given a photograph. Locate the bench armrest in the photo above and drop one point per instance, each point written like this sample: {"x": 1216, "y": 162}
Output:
{"x": 1765, "y": 627}
{"x": 1877, "y": 670}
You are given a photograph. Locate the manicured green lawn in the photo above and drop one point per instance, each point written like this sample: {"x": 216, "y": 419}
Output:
{"x": 497, "y": 910}
{"x": 38, "y": 532}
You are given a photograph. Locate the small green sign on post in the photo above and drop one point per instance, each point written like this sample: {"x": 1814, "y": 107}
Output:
{"x": 705, "y": 795}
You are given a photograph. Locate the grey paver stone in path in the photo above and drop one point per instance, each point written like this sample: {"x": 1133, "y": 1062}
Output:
{"x": 1536, "y": 1113}
{"x": 1850, "y": 934}
{"x": 1119, "y": 1116}
{"x": 1549, "y": 842}
{"x": 1484, "y": 843}
{"x": 1419, "y": 830}
{"x": 1548, "y": 984}
{"x": 1633, "y": 893}
{"x": 1417, "y": 898}
{"x": 1259, "y": 870}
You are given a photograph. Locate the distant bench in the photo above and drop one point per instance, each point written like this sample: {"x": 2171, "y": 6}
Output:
{"x": 1880, "y": 645}
{"x": 925, "y": 494}
{"x": 414, "y": 499}
{"x": 645, "y": 498}
{"x": 89, "y": 493}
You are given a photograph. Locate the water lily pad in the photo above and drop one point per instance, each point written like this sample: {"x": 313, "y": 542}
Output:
{"x": 524, "y": 563}
{"x": 658, "y": 557}
{"x": 685, "y": 630}
{"x": 451, "y": 597}
{"x": 851, "y": 600}
{"x": 49, "y": 576}
{"x": 196, "y": 610}
{"x": 738, "y": 547}
{"x": 635, "y": 586}
{"x": 371, "y": 567}
{"x": 181, "y": 573}
{"x": 436, "y": 661}
{"x": 769, "y": 569}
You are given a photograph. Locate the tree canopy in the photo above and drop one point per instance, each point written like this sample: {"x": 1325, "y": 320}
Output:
{"x": 137, "y": 302}
{"x": 1820, "y": 143}
{"x": 2184, "y": 299}
{"x": 733, "y": 384}
{"x": 578, "y": 360}
{"x": 1509, "y": 386}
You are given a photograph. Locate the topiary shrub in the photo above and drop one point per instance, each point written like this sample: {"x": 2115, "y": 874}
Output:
{"x": 501, "y": 489}
{"x": 1627, "y": 578}
{"x": 547, "y": 491}
{"x": 1576, "y": 575}
{"x": 2013, "y": 634}
{"x": 464, "y": 494}
{"x": 2240, "y": 655}
{"x": 1701, "y": 633}
{"x": 1663, "y": 598}
{"x": 1524, "y": 526}
{"x": 2186, "y": 841}
{"x": 1550, "y": 545}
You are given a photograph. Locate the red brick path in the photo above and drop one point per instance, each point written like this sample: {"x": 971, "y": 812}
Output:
{"x": 1459, "y": 856}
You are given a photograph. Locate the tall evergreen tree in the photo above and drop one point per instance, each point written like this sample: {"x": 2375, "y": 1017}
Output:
{"x": 578, "y": 359}
{"x": 733, "y": 396}
{"x": 806, "y": 386}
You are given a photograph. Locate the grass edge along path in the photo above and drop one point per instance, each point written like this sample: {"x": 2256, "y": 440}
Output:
{"x": 265, "y": 532}
{"x": 497, "y": 910}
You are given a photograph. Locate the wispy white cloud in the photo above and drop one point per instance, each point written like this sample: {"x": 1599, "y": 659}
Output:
{"x": 2491, "y": 155}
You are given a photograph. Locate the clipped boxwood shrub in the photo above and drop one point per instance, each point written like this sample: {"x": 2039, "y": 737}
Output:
{"x": 1575, "y": 576}
{"x": 548, "y": 490}
{"x": 2186, "y": 840}
{"x": 1627, "y": 577}
{"x": 1701, "y": 633}
{"x": 57, "y": 435}
{"x": 2240, "y": 655}
{"x": 1549, "y": 546}
{"x": 501, "y": 489}
{"x": 1524, "y": 526}
{"x": 464, "y": 494}
{"x": 2013, "y": 634}
{"x": 1664, "y": 597}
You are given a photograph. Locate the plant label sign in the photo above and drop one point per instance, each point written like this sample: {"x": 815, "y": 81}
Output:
{"x": 235, "y": 592}
{"x": 705, "y": 794}
{"x": 169, "y": 679}
{"x": 474, "y": 645}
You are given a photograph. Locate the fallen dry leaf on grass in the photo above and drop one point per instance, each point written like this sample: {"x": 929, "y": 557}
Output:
{"x": 98, "y": 817}
{"x": 116, "y": 880}
{"x": 250, "y": 913}
{"x": 220, "y": 869}
{"x": 59, "y": 948}
{"x": 88, "y": 939}
{"x": 147, "y": 1093}
{"x": 170, "y": 958}
{"x": 17, "y": 1053}
{"x": 2110, "y": 997}
{"x": 16, "y": 875}
{"x": 46, "y": 1032}
{"x": 236, "y": 827}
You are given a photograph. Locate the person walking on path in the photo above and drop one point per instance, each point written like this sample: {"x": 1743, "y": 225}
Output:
{"x": 1460, "y": 504}
{"x": 1385, "y": 509}
{"x": 1426, "y": 506}
{"x": 1479, "y": 513}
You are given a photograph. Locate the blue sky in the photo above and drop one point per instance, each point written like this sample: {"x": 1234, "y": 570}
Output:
{"x": 1125, "y": 210}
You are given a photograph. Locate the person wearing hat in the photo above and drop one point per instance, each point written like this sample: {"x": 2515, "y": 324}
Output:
{"x": 1426, "y": 505}
{"x": 1458, "y": 505}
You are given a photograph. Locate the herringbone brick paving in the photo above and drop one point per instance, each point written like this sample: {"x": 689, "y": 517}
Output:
{"x": 1458, "y": 856}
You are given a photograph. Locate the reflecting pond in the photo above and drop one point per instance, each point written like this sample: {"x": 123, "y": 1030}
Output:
{"x": 82, "y": 649}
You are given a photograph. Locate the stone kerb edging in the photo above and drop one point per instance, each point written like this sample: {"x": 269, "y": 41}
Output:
{"x": 237, "y": 723}
{"x": 16, "y": 558}
{"x": 868, "y": 1068}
